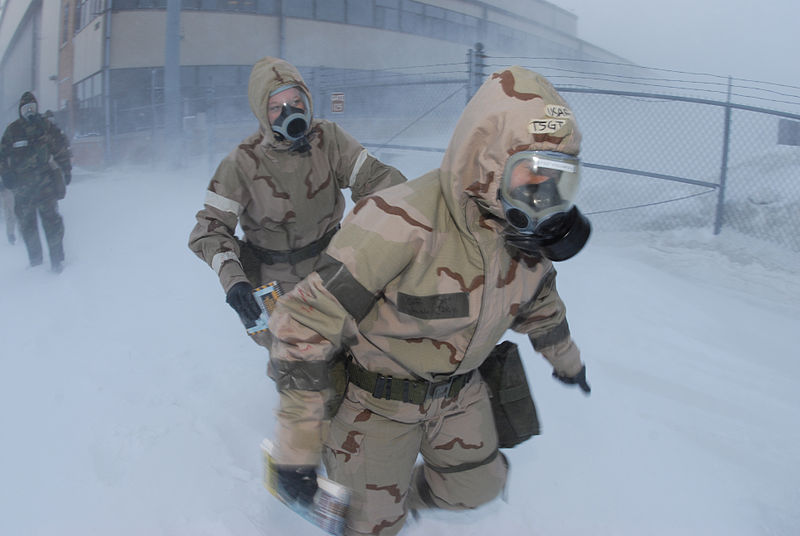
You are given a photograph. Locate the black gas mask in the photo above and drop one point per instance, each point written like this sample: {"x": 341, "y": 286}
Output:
{"x": 536, "y": 193}
{"x": 293, "y": 122}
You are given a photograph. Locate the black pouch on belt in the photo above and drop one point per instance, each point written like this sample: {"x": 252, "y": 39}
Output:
{"x": 338, "y": 380}
{"x": 251, "y": 264}
{"x": 512, "y": 403}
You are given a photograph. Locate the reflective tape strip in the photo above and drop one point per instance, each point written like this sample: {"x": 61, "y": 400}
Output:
{"x": 302, "y": 375}
{"x": 554, "y": 336}
{"x": 469, "y": 466}
{"x": 220, "y": 258}
{"x": 222, "y": 203}
{"x": 357, "y": 167}
{"x": 20, "y": 143}
{"x": 355, "y": 299}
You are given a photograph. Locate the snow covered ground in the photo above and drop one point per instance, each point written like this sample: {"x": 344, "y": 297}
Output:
{"x": 133, "y": 403}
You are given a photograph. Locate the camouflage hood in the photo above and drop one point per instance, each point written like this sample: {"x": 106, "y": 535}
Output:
{"x": 269, "y": 74}
{"x": 25, "y": 99}
{"x": 514, "y": 110}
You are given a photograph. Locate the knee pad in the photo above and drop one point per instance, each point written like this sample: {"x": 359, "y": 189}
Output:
{"x": 462, "y": 487}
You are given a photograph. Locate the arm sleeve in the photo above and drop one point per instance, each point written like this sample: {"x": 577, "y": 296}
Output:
{"x": 213, "y": 237}
{"x": 60, "y": 149}
{"x": 360, "y": 171}
{"x": 320, "y": 315}
{"x": 5, "y": 142}
{"x": 544, "y": 319}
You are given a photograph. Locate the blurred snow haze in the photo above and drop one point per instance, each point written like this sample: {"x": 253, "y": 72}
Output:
{"x": 134, "y": 404}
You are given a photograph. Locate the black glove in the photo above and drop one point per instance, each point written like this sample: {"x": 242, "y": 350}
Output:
{"x": 298, "y": 483}
{"x": 240, "y": 297}
{"x": 67, "y": 176}
{"x": 579, "y": 378}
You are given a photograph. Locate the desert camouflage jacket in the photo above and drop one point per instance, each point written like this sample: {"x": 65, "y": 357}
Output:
{"x": 282, "y": 200}
{"x": 420, "y": 283}
{"x": 32, "y": 156}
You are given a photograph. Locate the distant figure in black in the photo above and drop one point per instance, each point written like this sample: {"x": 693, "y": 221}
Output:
{"x": 35, "y": 165}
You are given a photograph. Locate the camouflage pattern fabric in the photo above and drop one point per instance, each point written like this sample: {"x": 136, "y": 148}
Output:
{"x": 375, "y": 456}
{"x": 420, "y": 285}
{"x": 282, "y": 200}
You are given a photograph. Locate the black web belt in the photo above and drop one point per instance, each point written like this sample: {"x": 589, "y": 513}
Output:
{"x": 294, "y": 256}
{"x": 404, "y": 390}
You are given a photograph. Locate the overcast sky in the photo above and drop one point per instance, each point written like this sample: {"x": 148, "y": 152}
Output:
{"x": 750, "y": 39}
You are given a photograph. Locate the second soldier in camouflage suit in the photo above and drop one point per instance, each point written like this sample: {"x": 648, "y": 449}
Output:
{"x": 421, "y": 283}
{"x": 283, "y": 186}
{"x": 35, "y": 165}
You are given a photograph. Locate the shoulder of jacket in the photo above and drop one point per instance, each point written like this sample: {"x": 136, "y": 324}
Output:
{"x": 14, "y": 126}
{"x": 416, "y": 202}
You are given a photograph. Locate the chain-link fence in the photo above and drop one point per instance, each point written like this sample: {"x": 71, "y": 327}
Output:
{"x": 661, "y": 149}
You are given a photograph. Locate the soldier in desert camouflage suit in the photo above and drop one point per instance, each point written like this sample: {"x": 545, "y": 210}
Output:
{"x": 35, "y": 166}
{"x": 420, "y": 285}
{"x": 283, "y": 186}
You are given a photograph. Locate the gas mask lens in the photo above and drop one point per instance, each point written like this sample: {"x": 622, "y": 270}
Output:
{"x": 28, "y": 110}
{"x": 537, "y": 195}
{"x": 295, "y": 115}
{"x": 537, "y": 185}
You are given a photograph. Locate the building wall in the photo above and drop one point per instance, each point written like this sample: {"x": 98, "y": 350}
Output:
{"x": 88, "y": 48}
{"x": 29, "y": 44}
{"x": 47, "y": 75}
{"x": 16, "y": 71}
{"x": 63, "y": 61}
{"x": 138, "y": 38}
{"x": 203, "y": 44}
{"x": 312, "y": 43}
{"x": 543, "y": 12}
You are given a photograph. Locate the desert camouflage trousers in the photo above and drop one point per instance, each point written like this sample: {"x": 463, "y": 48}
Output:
{"x": 375, "y": 457}
{"x": 53, "y": 226}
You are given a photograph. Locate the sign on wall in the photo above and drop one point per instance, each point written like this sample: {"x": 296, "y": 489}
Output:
{"x": 337, "y": 103}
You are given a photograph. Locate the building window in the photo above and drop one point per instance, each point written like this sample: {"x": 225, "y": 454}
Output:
{"x": 359, "y": 12}
{"x": 236, "y": 5}
{"x": 331, "y": 10}
{"x": 86, "y": 11}
{"x": 303, "y": 9}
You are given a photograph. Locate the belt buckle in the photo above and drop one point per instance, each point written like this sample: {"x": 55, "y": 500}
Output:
{"x": 440, "y": 390}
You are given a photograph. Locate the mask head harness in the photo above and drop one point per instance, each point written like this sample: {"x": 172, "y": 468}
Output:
{"x": 537, "y": 193}
{"x": 293, "y": 122}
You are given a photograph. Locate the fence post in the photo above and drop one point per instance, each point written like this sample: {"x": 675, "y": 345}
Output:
{"x": 470, "y": 66}
{"x": 153, "y": 113}
{"x": 316, "y": 93}
{"x": 723, "y": 174}
{"x": 211, "y": 118}
{"x": 475, "y": 67}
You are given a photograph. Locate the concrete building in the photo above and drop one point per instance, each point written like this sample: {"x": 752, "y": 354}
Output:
{"x": 99, "y": 64}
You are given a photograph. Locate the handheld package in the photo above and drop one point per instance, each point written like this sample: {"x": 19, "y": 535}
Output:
{"x": 328, "y": 510}
{"x": 266, "y": 296}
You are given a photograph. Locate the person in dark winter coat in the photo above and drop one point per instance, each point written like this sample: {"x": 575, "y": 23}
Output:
{"x": 35, "y": 165}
